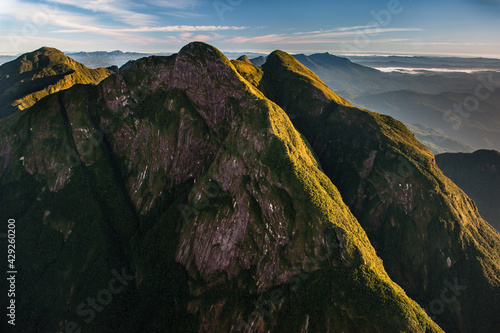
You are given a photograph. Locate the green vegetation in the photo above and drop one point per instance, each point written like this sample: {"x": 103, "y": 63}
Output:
{"x": 251, "y": 73}
{"x": 32, "y": 76}
{"x": 414, "y": 216}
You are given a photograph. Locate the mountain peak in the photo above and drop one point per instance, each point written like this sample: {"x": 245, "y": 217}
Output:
{"x": 47, "y": 49}
{"x": 288, "y": 71}
{"x": 203, "y": 50}
{"x": 34, "y": 75}
{"x": 43, "y": 57}
{"x": 288, "y": 62}
{"x": 244, "y": 58}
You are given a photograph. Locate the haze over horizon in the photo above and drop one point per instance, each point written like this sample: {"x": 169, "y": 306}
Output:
{"x": 444, "y": 27}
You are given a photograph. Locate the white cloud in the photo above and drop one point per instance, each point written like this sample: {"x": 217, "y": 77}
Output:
{"x": 326, "y": 36}
{"x": 176, "y": 4}
{"x": 119, "y": 10}
{"x": 186, "y": 37}
{"x": 169, "y": 28}
{"x": 357, "y": 27}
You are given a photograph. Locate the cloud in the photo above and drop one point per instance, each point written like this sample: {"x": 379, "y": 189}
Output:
{"x": 170, "y": 28}
{"x": 183, "y": 15}
{"x": 182, "y": 4}
{"x": 325, "y": 36}
{"x": 340, "y": 29}
{"x": 119, "y": 10}
{"x": 186, "y": 37}
{"x": 271, "y": 38}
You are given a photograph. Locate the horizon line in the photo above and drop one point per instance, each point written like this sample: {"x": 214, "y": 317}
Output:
{"x": 295, "y": 52}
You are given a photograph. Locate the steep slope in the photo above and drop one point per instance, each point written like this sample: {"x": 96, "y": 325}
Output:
{"x": 427, "y": 231}
{"x": 478, "y": 175}
{"x": 35, "y": 75}
{"x": 182, "y": 177}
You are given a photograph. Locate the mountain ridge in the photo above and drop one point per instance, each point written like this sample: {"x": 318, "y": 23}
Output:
{"x": 381, "y": 171}
{"x": 34, "y": 75}
{"x": 271, "y": 222}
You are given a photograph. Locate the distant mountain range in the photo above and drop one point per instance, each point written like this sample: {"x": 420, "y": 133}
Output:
{"x": 107, "y": 59}
{"x": 345, "y": 77}
{"x": 4, "y": 59}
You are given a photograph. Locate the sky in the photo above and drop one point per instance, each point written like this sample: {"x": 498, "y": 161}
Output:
{"x": 345, "y": 27}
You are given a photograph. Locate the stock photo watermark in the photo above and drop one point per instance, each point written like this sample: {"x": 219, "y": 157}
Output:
{"x": 382, "y": 19}
{"x": 471, "y": 103}
{"x": 266, "y": 307}
{"x": 449, "y": 294}
{"x": 32, "y": 26}
{"x": 223, "y": 6}
{"x": 11, "y": 271}
{"x": 87, "y": 310}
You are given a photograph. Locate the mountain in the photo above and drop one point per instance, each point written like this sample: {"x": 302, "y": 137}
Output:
{"x": 479, "y": 176}
{"x": 119, "y": 58}
{"x": 244, "y": 58}
{"x": 189, "y": 193}
{"x": 354, "y": 80}
{"x": 106, "y": 59}
{"x": 426, "y": 230}
{"x": 32, "y": 76}
{"x": 436, "y": 141}
{"x": 345, "y": 77}
{"x": 450, "y": 112}
{"x": 174, "y": 196}
{"x": 259, "y": 61}
{"x": 357, "y": 83}
{"x": 428, "y": 98}
{"x": 4, "y": 59}
{"x": 236, "y": 55}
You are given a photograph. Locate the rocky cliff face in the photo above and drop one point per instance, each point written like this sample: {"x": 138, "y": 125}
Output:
{"x": 32, "y": 76}
{"x": 427, "y": 231}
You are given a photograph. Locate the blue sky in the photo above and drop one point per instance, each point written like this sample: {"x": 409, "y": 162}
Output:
{"x": 439, "y": 27}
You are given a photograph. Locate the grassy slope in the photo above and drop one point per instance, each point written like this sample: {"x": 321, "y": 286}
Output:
{"x": 415, "y": 217}
{"x": 35, "y": 75}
